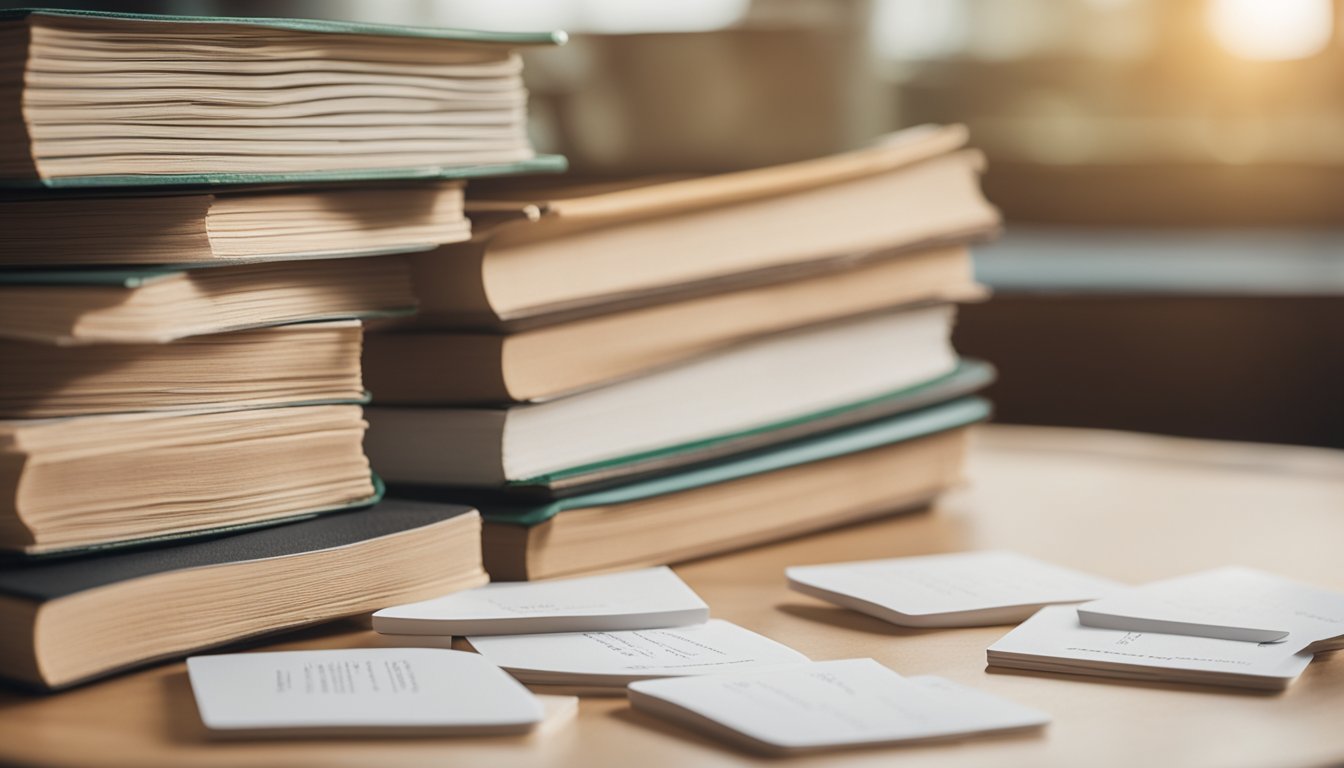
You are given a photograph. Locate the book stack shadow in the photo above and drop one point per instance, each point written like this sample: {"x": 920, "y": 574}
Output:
{"x": 623, "y": 373}
{"x": 196, "y": 217}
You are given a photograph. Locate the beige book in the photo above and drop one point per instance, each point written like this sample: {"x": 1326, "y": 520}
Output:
{"x": 280, "y": 365}
{"x": 462, "y": 367}
{"x": 67, "y": 620}
{"x": 542, "y": 252}
{"x": 96, "y": 480}
{"x": 756, "y": 387}
{"x": 214, "y": 228}
{"x": 113, "y": 95}
{"x": 150, "y": 305}
{"x": 719, "y": 518}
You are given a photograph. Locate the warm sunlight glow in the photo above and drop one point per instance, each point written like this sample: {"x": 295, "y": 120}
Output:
{"x": 1272, "y": 30}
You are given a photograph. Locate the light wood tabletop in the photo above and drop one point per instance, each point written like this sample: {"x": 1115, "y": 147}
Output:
{"x": 1131, "y": 507}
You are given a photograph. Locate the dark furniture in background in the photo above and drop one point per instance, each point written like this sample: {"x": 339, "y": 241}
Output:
{"x": 1219, "y": 334}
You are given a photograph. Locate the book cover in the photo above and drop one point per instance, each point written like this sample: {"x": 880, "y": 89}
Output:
{"x": 50, "y": 579}
{"x": 501, "y": 508}
{"x": 969, "y": 376}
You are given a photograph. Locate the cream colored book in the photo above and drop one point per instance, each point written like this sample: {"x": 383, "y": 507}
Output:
{"x": 229, "y": 227}
{"x": 301, "y": 363}
{"x": 95, "y": 98}
{"x": 546, "y": 251}
{"x": 153, "y": 305}
{"x": 98, "y": 480}
{"x": 879, "y": 468}
{"x": 67, "y": 620}
{"x": 748, "y": 387}
{"x": 424, "y": 366}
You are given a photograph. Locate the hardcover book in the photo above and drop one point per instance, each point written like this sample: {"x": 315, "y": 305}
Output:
{"x": 213, "y": 100}
{"x": 67, "y": 621}
{"x": 745, "y": 388}
{"x": 547, "y": 251}
{"x": 97, "y": 481}
{"x": 212, "y": 227}
{"x": 152, "y": 305}
{"x": 296, "y": 364}
{"x": 881, "y": 467}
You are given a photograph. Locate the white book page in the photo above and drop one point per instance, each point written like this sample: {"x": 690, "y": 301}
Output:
{"x": 642, "y": 599}
{"x": 836, "y": 704}
{"x": 1230, "y": 603}
{"x": 358, "y": 687}
{"x": 964, "y": 584}
{"x": 714, "y": 646}
{"x": 1055, "y": 633}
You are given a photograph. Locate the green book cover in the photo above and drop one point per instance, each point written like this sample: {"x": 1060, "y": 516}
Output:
{"x": 537, "y": 164}
{"x": 110, "y": 277}
{"x": 901, "y": 428}
{"x": 129, "y": 277}
{"x": 318, "y": 26}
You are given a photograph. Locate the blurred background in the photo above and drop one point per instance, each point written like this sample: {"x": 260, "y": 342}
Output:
{"x": 1171, "y": 171}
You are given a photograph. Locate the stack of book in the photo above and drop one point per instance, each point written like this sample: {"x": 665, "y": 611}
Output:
{"x": 639, "y": 372}
{"x": 198, "y": 214}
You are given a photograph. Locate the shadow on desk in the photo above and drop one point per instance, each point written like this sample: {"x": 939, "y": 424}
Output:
{"x": 843, "y": 618}
{"x": 182, "y": 721}
{"x": 1213, "y": 690}
{"x": 892, "y": 752}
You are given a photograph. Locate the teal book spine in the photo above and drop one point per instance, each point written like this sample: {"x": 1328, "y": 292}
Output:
{"x": 316, "y": 26}
{"x": 897, "y": 429}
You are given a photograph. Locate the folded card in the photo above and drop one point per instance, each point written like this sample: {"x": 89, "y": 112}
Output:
{"x": 954, "y": 590}
{"x": 617, "y": 658}
{"x": 1228, "y": 603}
{"x": 643, "y": 599}
{"x": 1054, "y": 641}
{"x": 359, "y": 691}
{"x": 828, "y": 705}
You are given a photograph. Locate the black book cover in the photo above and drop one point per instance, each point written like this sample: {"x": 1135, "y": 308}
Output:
{"x": 44, "y": 580}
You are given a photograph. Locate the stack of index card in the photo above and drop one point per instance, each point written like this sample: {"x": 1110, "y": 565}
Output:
{"x": 1230, "y": 626}
{"x": 645, "y": 633}
{"x": 594, "y": 634}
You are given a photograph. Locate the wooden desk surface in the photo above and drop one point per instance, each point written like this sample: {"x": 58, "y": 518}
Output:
{"x": 1126, "y": 506}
